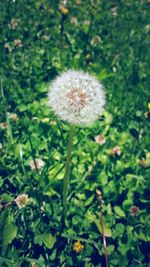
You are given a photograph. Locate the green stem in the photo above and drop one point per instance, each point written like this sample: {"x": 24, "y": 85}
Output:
{"x": 66, "y": 176}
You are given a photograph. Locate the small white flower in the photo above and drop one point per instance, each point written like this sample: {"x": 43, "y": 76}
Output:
{"x": 74, "y": 20}
{"x": 114, "y": 11}
{"x": 14, "y": 23}
{"x": 22, "y": 200}
{"x": 100, "y": 139}
{"x": 39, "y": 164}
{"x": 95, "y": 41}
{"x": 116, "y": 151}
{"x": 13, "y": 116}
{"x": 3, "y": 125}
{"x": 18, "y": 43}
{"x": 77, "y": 97}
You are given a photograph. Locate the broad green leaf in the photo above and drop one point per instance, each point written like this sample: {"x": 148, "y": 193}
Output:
{"x": 8, "y": 229}
{"x": 119, "y": 211}
{"x": 104, "y": 74}
{"x": 49, "y": 240}
{"x": 89, "y": 201}
{"x": 127, "y": 203}
{"x": 110, "y": 249}
{"x": 107, "y": 230}
{"x": 5, "y": 197}
{"x": 22, "y": 107}
{"x": 119, "y": 229}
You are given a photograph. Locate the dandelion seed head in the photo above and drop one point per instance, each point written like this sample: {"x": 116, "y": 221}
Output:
{"x": 77, "y": 97}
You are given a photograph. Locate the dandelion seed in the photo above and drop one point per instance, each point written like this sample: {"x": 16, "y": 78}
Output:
{"x": 39, "y": 164}
{"x": 77, "y": 247}
{"x": 100, "y": 139}
{"x": 77, "y": 97}
{"x": 22, "y": 200}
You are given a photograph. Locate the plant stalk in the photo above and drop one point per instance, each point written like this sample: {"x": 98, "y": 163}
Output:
{"x": 104, "y": 239}
{"x": 66, "y": 176}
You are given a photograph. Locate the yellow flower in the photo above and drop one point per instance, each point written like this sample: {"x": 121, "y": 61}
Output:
{"x": 64, "y": 10}
{"x": 149, "y": 107}
{"x": 77, "y": 246}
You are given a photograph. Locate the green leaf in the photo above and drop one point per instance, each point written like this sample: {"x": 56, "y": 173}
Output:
{"x": 93, "y": 219}
{"x": 127, "y": 203}
{"x": 104, "y": 74}
{"x": 120, "y": 229}
{"x": 1, "y": 181}
{"x": 6, "y": 198}
{"x": 119, "y": 211}
{"x": 110, "y": 249}
{"x": 49, "y": 240}
{"x": 89, "y": 201}
{"x": 107, "y": 230}
{"x": 22, "y": 107}
{"x": 42, "y": 88}
{"x": 8, "y": 229}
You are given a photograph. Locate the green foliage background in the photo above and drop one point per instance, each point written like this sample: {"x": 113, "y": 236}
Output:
{"x": 110, "y": 40}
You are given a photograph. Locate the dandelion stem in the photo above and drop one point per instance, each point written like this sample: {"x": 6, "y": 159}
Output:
{"x": 104, "y": 239}
{"x": 66, "y": 176}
